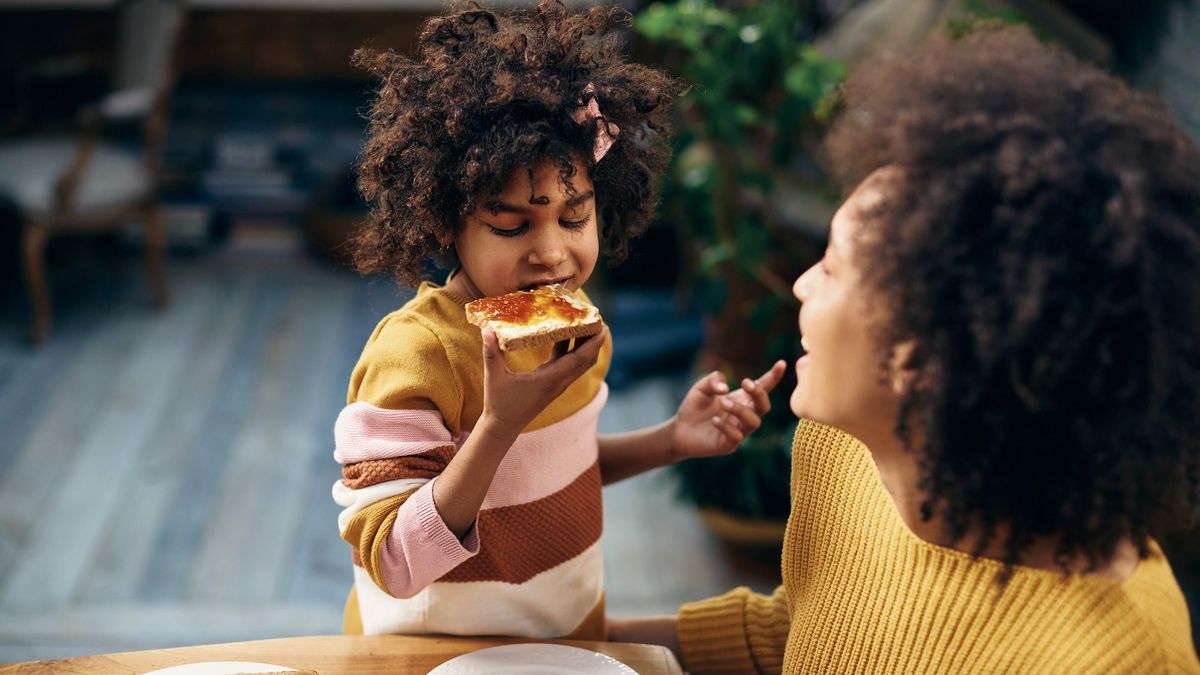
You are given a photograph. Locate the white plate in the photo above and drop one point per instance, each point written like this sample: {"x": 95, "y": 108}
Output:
{"x": 531, "y": 659}
{"x": 219, "y": 668}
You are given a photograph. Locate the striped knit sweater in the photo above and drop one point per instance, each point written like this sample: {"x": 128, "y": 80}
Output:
{"x": 862, "y": 594}
{"x": 531, "y": 565}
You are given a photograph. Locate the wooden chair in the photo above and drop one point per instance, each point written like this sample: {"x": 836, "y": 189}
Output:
{"x": 85, "y": 182}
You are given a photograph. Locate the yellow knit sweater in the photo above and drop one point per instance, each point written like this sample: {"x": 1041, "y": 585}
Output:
{"x": 862, "y": 594}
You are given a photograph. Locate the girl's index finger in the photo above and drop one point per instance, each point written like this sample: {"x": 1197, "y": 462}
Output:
{"x": 772, "y": 377}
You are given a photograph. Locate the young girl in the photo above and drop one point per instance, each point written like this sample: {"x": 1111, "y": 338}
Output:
{"x": 511, "y": 146}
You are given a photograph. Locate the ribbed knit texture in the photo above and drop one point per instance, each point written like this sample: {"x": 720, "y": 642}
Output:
{"x": 862, "y": 593}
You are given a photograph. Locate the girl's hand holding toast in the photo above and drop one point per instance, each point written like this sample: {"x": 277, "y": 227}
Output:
{"x": 714, "y": 421}
{"x": 512, "y": 400}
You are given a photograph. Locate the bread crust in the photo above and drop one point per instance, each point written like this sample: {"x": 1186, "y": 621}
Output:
{"x": 548, "y": 337}
{"x": 553, "y": 332}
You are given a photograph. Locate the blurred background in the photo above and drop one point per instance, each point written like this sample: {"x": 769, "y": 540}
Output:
{"x": 177, "y": 321}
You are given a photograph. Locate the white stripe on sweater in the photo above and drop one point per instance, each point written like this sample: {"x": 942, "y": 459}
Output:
{"x": 551, "y": 604}
{"x": 354, "y": 501}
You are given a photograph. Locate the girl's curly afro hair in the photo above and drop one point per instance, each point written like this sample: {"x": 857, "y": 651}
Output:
{"x": 1042, "y": 253}
{"x": 489, "y": 93}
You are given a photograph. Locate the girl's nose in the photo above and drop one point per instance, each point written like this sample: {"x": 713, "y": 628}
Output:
{"x": 548, "y": 251}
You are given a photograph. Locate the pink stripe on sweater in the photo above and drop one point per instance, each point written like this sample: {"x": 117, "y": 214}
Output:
{"x": 420, "y": 548}
{"x": 364, "y": 432}
{"x": 545, "y": 461}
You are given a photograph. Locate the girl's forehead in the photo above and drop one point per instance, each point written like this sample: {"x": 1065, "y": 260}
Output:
{"x": 541, "y": 184}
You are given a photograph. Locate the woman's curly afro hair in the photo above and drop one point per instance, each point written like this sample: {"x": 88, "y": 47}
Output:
{"x": 1041, "y": 251}
{"x": 490, "y": 93}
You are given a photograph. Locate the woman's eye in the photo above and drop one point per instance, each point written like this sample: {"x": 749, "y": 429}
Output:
{"x": 823, "y": 266}
{"x": 575, "y": 224}
{"x": 509, "y": 232}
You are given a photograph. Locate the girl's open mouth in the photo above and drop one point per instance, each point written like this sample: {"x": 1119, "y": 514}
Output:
{"x": 548, "y": 282}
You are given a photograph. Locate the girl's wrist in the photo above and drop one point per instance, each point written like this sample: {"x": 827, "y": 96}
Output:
{"x": 495, "y": 431}
{"x": 667, "y": 443}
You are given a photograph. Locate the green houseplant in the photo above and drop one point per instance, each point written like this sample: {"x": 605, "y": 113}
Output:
{"x": 743, "y": 162}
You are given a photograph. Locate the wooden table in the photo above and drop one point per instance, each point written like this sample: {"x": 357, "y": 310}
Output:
{"x": 330, "y": 654}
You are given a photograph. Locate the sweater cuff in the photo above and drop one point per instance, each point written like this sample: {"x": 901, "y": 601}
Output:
{"x": 712, "y": 634}
{"x": 435, "y": 528}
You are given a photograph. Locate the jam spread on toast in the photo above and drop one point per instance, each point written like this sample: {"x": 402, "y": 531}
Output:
{"x": 529, "y": 307}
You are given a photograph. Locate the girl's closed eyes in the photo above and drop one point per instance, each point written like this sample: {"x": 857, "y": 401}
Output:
{"x": 508, "y": 231}
{"x": 575, "y": 224}
{"x": 524, "y": 227}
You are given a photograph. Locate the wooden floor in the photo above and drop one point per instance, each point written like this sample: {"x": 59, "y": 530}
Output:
{"x": 165, "y": 477}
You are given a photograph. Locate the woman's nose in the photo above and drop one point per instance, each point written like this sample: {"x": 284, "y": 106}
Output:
{"x": 803, "y": 286}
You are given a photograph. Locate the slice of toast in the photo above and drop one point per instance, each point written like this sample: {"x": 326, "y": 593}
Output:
{"x": 544, "y": 315}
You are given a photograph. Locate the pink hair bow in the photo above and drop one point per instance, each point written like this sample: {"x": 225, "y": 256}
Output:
{"x": 591, "y": 111}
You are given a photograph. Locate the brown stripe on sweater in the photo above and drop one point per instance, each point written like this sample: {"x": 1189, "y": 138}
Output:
{"x": 373, "y": 471}
{"x": 519, "y": 542}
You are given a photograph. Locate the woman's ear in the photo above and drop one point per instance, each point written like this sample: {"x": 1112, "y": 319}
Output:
{"x": 901, "y": 371}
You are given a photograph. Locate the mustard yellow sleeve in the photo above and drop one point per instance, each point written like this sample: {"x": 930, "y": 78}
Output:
{"x": 739, "y": 632}
{"x": 404, "y": 366}
{"x": 368, "y": 531}
{"x": 394, "y": 436}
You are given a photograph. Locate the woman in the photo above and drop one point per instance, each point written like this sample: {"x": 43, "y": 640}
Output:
{"x": 1001, "y": 391}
